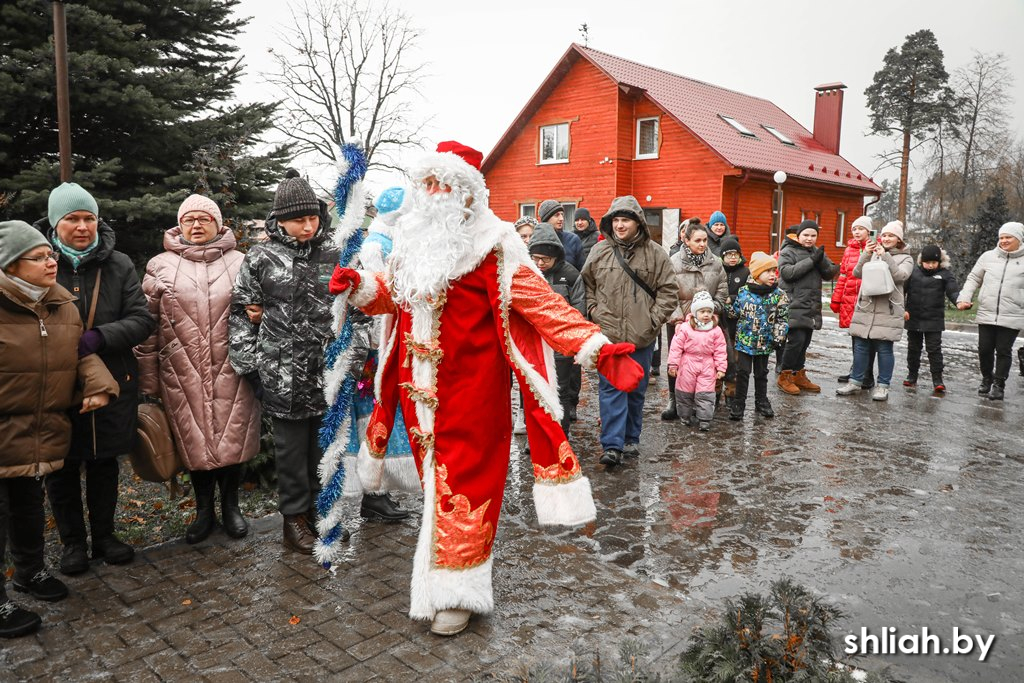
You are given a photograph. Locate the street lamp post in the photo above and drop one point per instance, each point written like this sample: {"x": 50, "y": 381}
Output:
{"x": 780, "y": 178}
{"x": 60, "y": 56}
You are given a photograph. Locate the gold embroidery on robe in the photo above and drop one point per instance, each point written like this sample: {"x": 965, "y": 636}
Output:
{"x": 377, "y": 444}
{"x": 462, "y": 536}
{"x": 565, "y": 470}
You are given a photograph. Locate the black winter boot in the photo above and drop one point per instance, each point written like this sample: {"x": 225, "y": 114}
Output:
{"x": 101, "y": 479}
{"x": 985, "y": 386}
{"x": 15, "y": 621}
{"x": 231, "y": 517}
{"x": 736, "y": 408}
{"x": 764, "y": 408}
{"x": 670, "y": 410}
{"x": 382, "y": 507}
{"x": 996, "y": 392}
{"x": 203, "y": 485}
{"x": 1020, "y": 360}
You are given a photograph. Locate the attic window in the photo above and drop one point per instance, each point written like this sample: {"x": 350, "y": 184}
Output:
{"x": 554, "y": 144}
{"x": 779, "y": 135}
{"x": 647, "y": 138}
{"x": 740, "y": 128}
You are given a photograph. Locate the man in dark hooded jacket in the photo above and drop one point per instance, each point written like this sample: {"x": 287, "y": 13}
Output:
{"x": 547, "y": 252}
{"x": 586, "y": 230}
{"x": 114, "y": 313}
{"x": 551, "y": 211}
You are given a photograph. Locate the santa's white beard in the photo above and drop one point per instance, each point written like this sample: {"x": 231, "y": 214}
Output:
{"x": 431, "y": 243}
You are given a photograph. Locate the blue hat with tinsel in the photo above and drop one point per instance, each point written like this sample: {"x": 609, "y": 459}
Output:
{"x": 390, "y": 200}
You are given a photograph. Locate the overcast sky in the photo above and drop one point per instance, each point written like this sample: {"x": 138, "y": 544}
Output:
{"x": 485, "y": 60}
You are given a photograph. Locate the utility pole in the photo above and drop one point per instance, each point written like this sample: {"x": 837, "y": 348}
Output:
{"x": 60, "y": 55}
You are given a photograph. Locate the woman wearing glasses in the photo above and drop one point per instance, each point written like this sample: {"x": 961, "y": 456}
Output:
{"x": 40, "y": 370}
{"x": 213, "y": 413}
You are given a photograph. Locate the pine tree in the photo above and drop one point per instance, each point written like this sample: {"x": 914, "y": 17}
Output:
{"x": 910, "y": 96}
{"x": 150, "y": 86}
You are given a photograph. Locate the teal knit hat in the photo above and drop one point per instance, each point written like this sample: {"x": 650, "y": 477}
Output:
{"x": 18, "y": 238}
{"x": 67, "y": 198}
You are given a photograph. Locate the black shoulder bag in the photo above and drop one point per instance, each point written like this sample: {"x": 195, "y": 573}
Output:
{"x": 632, "y": 273}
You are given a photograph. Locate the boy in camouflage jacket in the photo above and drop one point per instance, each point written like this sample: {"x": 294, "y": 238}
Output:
{"x": 761, "y": 310}
{"x": 279, "y": 326}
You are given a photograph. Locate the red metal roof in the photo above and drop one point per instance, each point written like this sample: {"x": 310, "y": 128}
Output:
{"x": 697, "y": 106}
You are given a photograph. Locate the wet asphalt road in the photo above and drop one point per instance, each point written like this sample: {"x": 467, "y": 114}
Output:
{"x": 904, "y": 513}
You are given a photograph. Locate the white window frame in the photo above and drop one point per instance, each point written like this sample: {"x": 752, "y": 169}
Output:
{"x": 523, "y": 211}
{"x": 840, "y": 228}
{"x": 657, "y": 138}
{"x": 737, "y": 126}
{"x": 540, "y": 142}
{"x": 779, "y": 135}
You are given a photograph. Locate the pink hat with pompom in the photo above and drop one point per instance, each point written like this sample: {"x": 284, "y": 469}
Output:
{"x": 197, "y": 202}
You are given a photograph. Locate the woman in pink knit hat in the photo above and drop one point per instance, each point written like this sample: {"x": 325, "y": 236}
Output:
{"x": 214, "y": 415}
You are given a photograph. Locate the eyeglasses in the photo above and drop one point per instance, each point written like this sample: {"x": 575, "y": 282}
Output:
{"x": 202, "y": 220}
{"x": 39, "y": 259}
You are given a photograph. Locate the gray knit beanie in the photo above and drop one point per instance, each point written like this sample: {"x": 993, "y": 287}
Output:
{"x": 294, "y": 198}
{"x": 18, "y": 238}
{"x": 547, "y": 209}
{"x": 68, "y": 198}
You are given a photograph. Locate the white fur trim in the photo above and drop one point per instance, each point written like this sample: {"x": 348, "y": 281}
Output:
{"x": 353, "y": 485}
{"x": 587, "y": 356}
{"x": 390, "y": 473}
{"x": 366, "y": 292}
{"x": 386, "y": 343}
{"x": 371, "y": 256}
{"x": 436, "y": 589}
{"x": 569, "y": 504}
{"x": 352, "y": 220}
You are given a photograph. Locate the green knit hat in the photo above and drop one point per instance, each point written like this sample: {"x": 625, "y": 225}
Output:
{"x": 18, "y": 238}
{"x": 67, "y": 198}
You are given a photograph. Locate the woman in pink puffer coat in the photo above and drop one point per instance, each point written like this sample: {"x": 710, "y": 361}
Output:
{"x": 697, "y": 360}
{"x": 214, "y": 415}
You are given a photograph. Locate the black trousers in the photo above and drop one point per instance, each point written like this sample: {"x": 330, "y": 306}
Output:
{"x": 730, "y": 345}
{"x": 64, "y": 487}
{"x": 745, "y": 364}
{"x": 933, "y": 342}
{"x": 298, "y": 454}
{"x": 995, "y": 346}
{"x": 21, "y": 525}
{"x": 796, "y": 348}
{"x": 565, "y": 370}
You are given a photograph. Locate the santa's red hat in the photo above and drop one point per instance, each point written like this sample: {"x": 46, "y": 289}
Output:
{"x": 467, "y": 154}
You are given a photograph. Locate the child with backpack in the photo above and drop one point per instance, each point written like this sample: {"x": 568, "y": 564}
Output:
{"x": 925, "y": 316}
{"x": 697, "y": 360}
{"x": 761, "y": 310}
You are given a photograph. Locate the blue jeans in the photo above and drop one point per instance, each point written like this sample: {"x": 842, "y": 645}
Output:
{"x": 862, "y": 349}
{"x": 622, "y": 414}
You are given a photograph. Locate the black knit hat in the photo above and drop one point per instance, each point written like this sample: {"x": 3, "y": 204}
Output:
{"x": 931, "y": 253}
{"x": 294, "y": 198}
{"x": 730, "y": 243}
{"x": 807, "y": 224}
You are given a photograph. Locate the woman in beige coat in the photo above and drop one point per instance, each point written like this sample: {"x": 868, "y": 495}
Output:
{"x": 213, "y": 412}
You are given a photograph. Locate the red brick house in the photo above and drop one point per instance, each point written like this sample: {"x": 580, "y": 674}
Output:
{"x": 600, "y": 126}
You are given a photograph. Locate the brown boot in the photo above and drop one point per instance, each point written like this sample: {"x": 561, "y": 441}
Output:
{"x": 804, "y": 384}
{"x": 730, "y": 388}
{"x": 787, "y": 384}
{"x": 297, "y": 536}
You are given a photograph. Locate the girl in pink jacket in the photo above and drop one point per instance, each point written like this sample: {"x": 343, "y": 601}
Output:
{"x": 698, "y": 359}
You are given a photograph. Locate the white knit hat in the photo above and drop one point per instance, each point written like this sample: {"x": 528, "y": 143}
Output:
{"x": 864, "y": 222}
{"x": 894, "y": 227}
{"x": 197, "y": 202}
{"x": 701, "y": 300}
{"x": 1013, "y": 230}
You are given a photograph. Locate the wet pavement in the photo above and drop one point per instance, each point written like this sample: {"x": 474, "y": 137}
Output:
{"x": 902, "y": 514}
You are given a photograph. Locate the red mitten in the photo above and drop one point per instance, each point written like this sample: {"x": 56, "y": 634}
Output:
{"x": 618, "y": 368}
{"x": 834, "y": 306}
{"x": 343, "y": 279}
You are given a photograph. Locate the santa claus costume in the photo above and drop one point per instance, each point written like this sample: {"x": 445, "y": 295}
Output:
{"x": 469, "y": 303}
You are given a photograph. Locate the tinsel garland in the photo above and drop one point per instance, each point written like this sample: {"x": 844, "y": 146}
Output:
{"x": 339, "y": 385}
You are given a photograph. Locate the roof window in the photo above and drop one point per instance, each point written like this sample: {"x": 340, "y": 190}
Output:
{"x": 740, "y": 128}
{"x": 779, "y": 135}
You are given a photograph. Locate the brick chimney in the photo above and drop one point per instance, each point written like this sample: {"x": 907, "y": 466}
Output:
{"x": 828, "y": 115}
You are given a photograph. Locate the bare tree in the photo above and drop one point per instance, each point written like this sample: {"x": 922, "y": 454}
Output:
{"x": 347, "y": 74}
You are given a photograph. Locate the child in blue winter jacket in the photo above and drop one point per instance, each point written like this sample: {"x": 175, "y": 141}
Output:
{"x": 761, "y": 310}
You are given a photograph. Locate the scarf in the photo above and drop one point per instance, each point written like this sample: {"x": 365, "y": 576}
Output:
{"x": 628, "y": 246}
{"x": 756, "y": 287}
{"x": 34, "y": 293}
{"x": 703, "y": 326}
{"x": 194, "y": 244}
{"x": 696, "y": 259}
{"x": 72, "y": 254}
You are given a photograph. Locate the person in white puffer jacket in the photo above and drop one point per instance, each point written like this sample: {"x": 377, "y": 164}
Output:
{"x": 998, "y": 277}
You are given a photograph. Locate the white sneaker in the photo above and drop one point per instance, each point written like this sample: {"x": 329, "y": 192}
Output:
{"x": 848, "y": 389}
{"x": 880, "y": 393}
